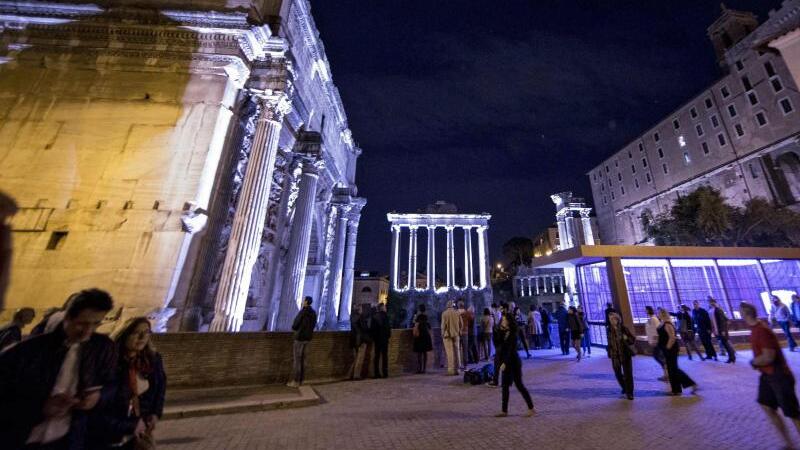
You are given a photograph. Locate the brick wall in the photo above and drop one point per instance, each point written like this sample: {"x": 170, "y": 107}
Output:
{"x": 224, "y": 359}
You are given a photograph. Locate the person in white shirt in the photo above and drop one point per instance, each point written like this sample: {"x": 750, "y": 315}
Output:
{"x": 651, "y": 329}
{"x": 451, "y": 332}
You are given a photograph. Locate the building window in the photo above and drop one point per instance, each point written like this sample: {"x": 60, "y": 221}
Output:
{"x": 714, "y": 121}
{"x": 606, "y": 168}
{"x": 622, "y": 190}
{"x": 616, "y": 163}
{"x": 644, "y": 162}
{"x": 693, "y": 112}
{"x": 725, "y": 92}
{"x": 56, "y": 240}
{"x": 594, "y": 176}
{"x": 605, "y": 200}
{"x": 776, "y": 84}
{"x": 609, "y": 182}
{"x": 649, "y": 178}
{"x": 641, "y": 147}
{"x": 786, "y": 106}
{"x": 761, "y": 118}
{"x": 748, "y": 86}
{"x": 739, "y": 129}
{"x": 686, "y": 158}
{"x": 633, "y": 168}
{"x": 753, "y": 98}
{"x": 656, "y": 137}
{"x": 699, "y": 129}
{"x": 769, "y": 69}
{"x": 676, "y": 124}
{"x": 739, "y": 65}
{"x": 660, "y": 153}
{"x": 709, "y": 103}
{"x": 664, "y": 168}
{"x": 612, "y": 196}
{"x": 721, "y": 139}
{"x": 619, "y": 176}
{"x": 753, "y": 172}
{"x": 704, "y": 145}
{"x": 732, "y": 111}
{"x": 630, "y": 155}
{"x": 636, "y": 182}
{"x": 366, "y": 289}
{"x": 602, "y": 188}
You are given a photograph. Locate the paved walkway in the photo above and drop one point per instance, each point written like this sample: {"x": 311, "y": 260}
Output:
{"x": 579, "y": 408}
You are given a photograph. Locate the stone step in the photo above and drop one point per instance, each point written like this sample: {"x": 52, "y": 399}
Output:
{"x": 182, "y": 403}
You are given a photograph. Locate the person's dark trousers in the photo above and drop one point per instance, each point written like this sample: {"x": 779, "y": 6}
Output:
{"x": 464, "y": 351}
{"x": 496, "y": 375}
{"x": 563, "y": 338}
{"x": 658, "y": 355}
{"x": 705, "y": 338}
{"x": 623, "y": 370}
{"x": 725, "y": 343}
{"x": 473, "y": 349}
{"x": 586, "y": 342}
{"x": 299, "y": 353}
{"x": 789, "y": 339}
{"x": 677, "y": 378}
{"x": 546, "y": 342}
{"x": 515, "y": 376}
{"x": 381, "y": 360}
{"x": 524, "y": 339}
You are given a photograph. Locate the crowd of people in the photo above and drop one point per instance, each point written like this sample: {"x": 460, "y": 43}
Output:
{"x": 69, "y": 387}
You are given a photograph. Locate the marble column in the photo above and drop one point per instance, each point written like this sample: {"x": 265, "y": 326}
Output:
{"x": 337, "y": 261}
{"x": 395, "y": 275}
{"x": 563, "y": 235}
{"x": 294, "y": 274}
{"x": 536, "y": 284}
{"x": 412, "y": 259}
{"x": 431, "y": 265}
{"x": 345, "y": 305}
{"x": 586, "y": 224}
{"x": 249, "y": 217}
{"x": 451, "y": 258}
{"x": 483, "y": 258}
{"x": 469, "y": 279}
{"x": 572, "y": 232}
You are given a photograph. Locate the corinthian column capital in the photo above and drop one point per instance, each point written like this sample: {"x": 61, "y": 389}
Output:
{"x": 275, "y": 105}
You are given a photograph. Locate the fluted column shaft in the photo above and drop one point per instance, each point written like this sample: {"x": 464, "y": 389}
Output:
{"x": 249, "y": 217}
{"x": 564, "y": 241}
{"x": 451, "y": 258}
{"x": 470, "y": 278}
{"x": 431, "y": 265}
{"x": 588, "y": 234}
{"x": 299, "y": 239}
{"x": 337, "y": 262}
{"x": 483, "y": 256}
{"x": 536, "y": 284}
{"x": 412, "y": 259}
{"x": 349, "y": 267}
{"x": 395, "y": 256}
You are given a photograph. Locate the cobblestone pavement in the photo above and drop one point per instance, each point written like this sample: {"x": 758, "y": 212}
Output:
{"x": 579, "y": 407}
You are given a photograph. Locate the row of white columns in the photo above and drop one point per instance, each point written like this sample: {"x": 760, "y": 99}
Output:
{"x": 469, "y": 272}
{"x": 529, "y": 285}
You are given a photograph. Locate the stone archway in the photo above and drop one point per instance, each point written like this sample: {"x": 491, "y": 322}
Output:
{"x": 789, "y": 165}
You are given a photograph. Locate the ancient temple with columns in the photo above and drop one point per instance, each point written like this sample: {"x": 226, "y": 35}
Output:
{"x": 192, "y": 158}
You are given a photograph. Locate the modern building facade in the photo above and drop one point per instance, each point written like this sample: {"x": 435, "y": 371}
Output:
{"x": 192, "y": 158}
{"x": 740, "y": 135}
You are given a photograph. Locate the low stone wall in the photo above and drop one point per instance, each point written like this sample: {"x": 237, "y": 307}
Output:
{"x": 225, "y": 359}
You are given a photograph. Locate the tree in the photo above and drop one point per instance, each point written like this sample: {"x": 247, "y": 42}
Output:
{"x": 518, "y": 251}
{"x": 704, "y": 218}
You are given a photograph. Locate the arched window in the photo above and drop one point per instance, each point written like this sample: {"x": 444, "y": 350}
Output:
{"x": 366, "y": 289}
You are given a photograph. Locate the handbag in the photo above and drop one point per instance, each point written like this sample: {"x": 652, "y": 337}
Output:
{"x": 145, "y": 442}
{"x": 416, "y": 330}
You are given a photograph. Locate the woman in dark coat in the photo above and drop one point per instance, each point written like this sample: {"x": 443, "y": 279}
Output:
{"x": 133, "y": 404}
{"x": 422, "y": 339}
{"x": 668, "y": 342}
{"x": 575, "y": 325}
{"x": 511, "y": 364}
{"x": 620, "y": 342}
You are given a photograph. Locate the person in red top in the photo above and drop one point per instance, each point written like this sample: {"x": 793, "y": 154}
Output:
{"x": 776, "y": 384}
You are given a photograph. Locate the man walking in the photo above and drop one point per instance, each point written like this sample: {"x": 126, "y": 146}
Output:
{"x": 687, "y": 332}
{"x": 381, "y": 332}
{"x": 721, "y": 329}
{"x": 49, "y": 383}
{"x": 563, "y": 328}
{"x": 651, "y": 330}
{"x": 546, "y": 320}
{"x": 776, "y": 383}
{"x": 782, "y": 315}
{"x": 451, "y": 332}
{"x": 702, "y": 323}
{"x": 303, "y": 327}
{"x": 463, "y": 335}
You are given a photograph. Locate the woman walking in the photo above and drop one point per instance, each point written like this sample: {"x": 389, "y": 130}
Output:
{"x": 511, "y": 365}
{"x": 621, "y": 350}
{"x": 422, "y": 339}
{"x": 575, "y": 329}
{"x": 136, "y": 400}
{"x": 586, "y": 340}
{"x": 668, "y": 343}
{"x": 487, "y": 325}
{"x": 535, "y": 327}
{"x": 687, "y": 332}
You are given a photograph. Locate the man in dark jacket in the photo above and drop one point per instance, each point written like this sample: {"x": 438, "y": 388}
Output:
{"x": 721, "y": 322}
{"x": 381, "y": 332}
{"x": 702, "y": 321}
{"x": 49, "y": 383}
{"x": 303, "y": 327}
{"x": 546, "y": 320}
{"x": 563, "y": 329}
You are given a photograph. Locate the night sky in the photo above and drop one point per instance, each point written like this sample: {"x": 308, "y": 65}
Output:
{"x": 496, "y": 105}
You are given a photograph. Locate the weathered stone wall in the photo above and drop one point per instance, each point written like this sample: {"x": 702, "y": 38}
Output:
{"x": 223, "y": 359}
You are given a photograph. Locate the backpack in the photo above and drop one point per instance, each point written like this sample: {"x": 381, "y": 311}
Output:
{"x": 473, "y": 377}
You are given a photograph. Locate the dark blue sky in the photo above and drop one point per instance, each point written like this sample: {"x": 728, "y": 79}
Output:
{"x": 496, "y": 105}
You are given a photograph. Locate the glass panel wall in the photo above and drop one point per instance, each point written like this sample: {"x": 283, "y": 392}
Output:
{"x": 743, "y": 281}
{"x": 696, "y": 280}
{"x": 783, "y": 277}
{"x": 649, "y": 284}
{"x": 595, "y": 291}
